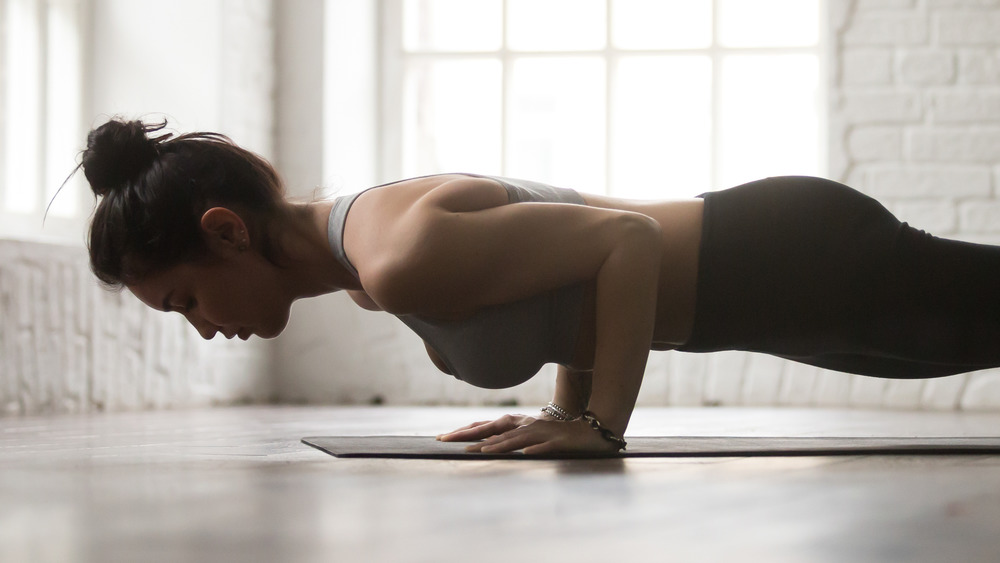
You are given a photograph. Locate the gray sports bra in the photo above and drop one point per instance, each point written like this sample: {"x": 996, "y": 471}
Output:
{"x": 503, "y": 345}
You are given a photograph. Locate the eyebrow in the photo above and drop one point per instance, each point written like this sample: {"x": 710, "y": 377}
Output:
{"x": 166, "y": 302}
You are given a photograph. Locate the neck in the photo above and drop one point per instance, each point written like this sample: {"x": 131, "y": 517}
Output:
{"x": 312, "y": 267}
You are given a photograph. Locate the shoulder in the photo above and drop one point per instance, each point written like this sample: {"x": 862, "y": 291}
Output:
{"x": 461, "y": 193}
{"x": 446, "y": 192}
{"x": 390, "y": 227}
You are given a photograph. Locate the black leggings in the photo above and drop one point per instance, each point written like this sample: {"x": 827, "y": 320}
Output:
{"x": 813, "y": 271}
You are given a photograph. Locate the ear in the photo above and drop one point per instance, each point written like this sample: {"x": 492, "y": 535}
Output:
{"x": 224, "y": 231}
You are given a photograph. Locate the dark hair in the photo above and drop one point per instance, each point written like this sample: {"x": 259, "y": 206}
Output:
{"x": 153, "y": 189}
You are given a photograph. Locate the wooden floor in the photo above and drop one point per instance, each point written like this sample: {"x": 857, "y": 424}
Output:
{"x": 235, "y": 484}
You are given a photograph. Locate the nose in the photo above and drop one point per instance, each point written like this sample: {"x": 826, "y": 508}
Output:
{"x": 208, "y": 334}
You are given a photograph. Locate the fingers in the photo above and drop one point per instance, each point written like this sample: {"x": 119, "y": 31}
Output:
{"x": 462, "y": 429}
{"x": 543, "y": 437}
{"x": 512, "y": 440}
{"x": 543, "y": 448}
{"x": 485, "y": 429}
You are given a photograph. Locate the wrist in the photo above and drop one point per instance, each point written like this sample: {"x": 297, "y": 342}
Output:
{"x": 556, "y": 412}
{"x": 610, "y": 436}
{"x": 572, "y": 390}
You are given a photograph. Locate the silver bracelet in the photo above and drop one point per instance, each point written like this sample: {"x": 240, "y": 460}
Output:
{"x": 565, "y": 414}
{"x": 605, "y": 433}
{"x": 551, "y": 412}
{"x": 556, "y": 412}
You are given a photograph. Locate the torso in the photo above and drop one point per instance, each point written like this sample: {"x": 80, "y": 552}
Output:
{"x": 680, "y": 220}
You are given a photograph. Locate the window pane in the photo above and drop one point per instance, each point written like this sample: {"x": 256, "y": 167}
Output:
{"x": 768, "y": 23}
{"x": 22, "y": 63}
{"x": 769, "y": 117}
{"x": 452, "y": 117}
{"x": 556, "y": 25}
{"x": 661, "y": 134}
{"x": 557, "y": 121}
{"x": 62, "y": 126}
{"x": 452, "y": 25}
{"x": 661, "y": 24}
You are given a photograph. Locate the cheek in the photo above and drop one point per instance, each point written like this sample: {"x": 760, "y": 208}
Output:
{"x": 265, "y": 303}
{"x": 249, "y": 297}
{"x": 226, "y": 301}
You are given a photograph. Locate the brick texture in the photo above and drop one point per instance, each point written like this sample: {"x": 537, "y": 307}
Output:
{"x": 934, "y": 160}
{"x": 68, "y": 345}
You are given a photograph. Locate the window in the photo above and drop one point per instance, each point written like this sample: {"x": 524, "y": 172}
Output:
{"x": 634, "y": 98}
{"x": 40, "y": 117}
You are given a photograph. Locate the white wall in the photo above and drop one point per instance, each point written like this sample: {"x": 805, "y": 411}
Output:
{"x": 916, "y": 102}
{"x": 914, "y": 120}
{"x": 914, "y": 92}
{"x": 67, "y": 345}
{"x": 203, "y": 64}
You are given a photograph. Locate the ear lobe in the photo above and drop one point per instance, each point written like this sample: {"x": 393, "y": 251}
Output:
{"x": 224, "y": 230}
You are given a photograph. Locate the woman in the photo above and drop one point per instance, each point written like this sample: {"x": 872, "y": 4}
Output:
{"x": 500, "y": 276}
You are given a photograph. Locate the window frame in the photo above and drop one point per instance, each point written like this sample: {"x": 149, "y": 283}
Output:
{"x": 394, "y": 59}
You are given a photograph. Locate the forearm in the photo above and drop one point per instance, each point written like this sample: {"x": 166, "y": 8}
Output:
{"x": 572, "y": 390}
{"x": 626, "y": 294}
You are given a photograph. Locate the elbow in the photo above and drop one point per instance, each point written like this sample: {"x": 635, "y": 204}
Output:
{"x": 641, "y": 231}
{"x": 639, "y": 243}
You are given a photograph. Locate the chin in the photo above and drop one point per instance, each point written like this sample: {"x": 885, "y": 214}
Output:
{"x": 273, "y": 329}
{"x": 267, "y": 335}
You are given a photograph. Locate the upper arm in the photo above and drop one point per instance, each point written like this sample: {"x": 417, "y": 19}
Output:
{"x": 460, "y": 248}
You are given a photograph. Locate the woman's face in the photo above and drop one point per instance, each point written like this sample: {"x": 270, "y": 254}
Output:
{"x": 237, "y": 296}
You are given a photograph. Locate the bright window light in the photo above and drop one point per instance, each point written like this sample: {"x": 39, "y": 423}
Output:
{"x": 661, "y": 134}
{"x": 556, "y": 119}
{"x": 450, "y": 25}
{"x": 452, "y": 116}
{"x": 556, "y": 25}
{"x": 63, "y": 81}
{"x": 40, "y": 118}
{"x": 23, "y": 104}
{"x": 661, "y": 24}
{"x": 770, "y": 113}
{"x": 644, "y": 99}
{"x": 768, "y": 23}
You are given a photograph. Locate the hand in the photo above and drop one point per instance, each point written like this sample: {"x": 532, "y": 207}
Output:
{"x": 533, "y": 435}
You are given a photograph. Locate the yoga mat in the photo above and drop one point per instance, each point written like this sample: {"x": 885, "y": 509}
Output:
{"x": 426, "y": 447}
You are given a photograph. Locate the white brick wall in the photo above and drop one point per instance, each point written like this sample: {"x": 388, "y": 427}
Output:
{"x": 934, "y": 158}
{"x": 67, "y": 345}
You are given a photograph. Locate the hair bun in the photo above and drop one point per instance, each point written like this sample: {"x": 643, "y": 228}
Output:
{"x": 119, "y": 151}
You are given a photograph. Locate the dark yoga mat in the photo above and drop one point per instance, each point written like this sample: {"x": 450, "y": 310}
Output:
{"x": 426, "y": 447}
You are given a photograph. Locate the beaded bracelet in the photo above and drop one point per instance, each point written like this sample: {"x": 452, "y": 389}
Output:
{"x": 556, "y": 412}
{"x": 605, "y": 433}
